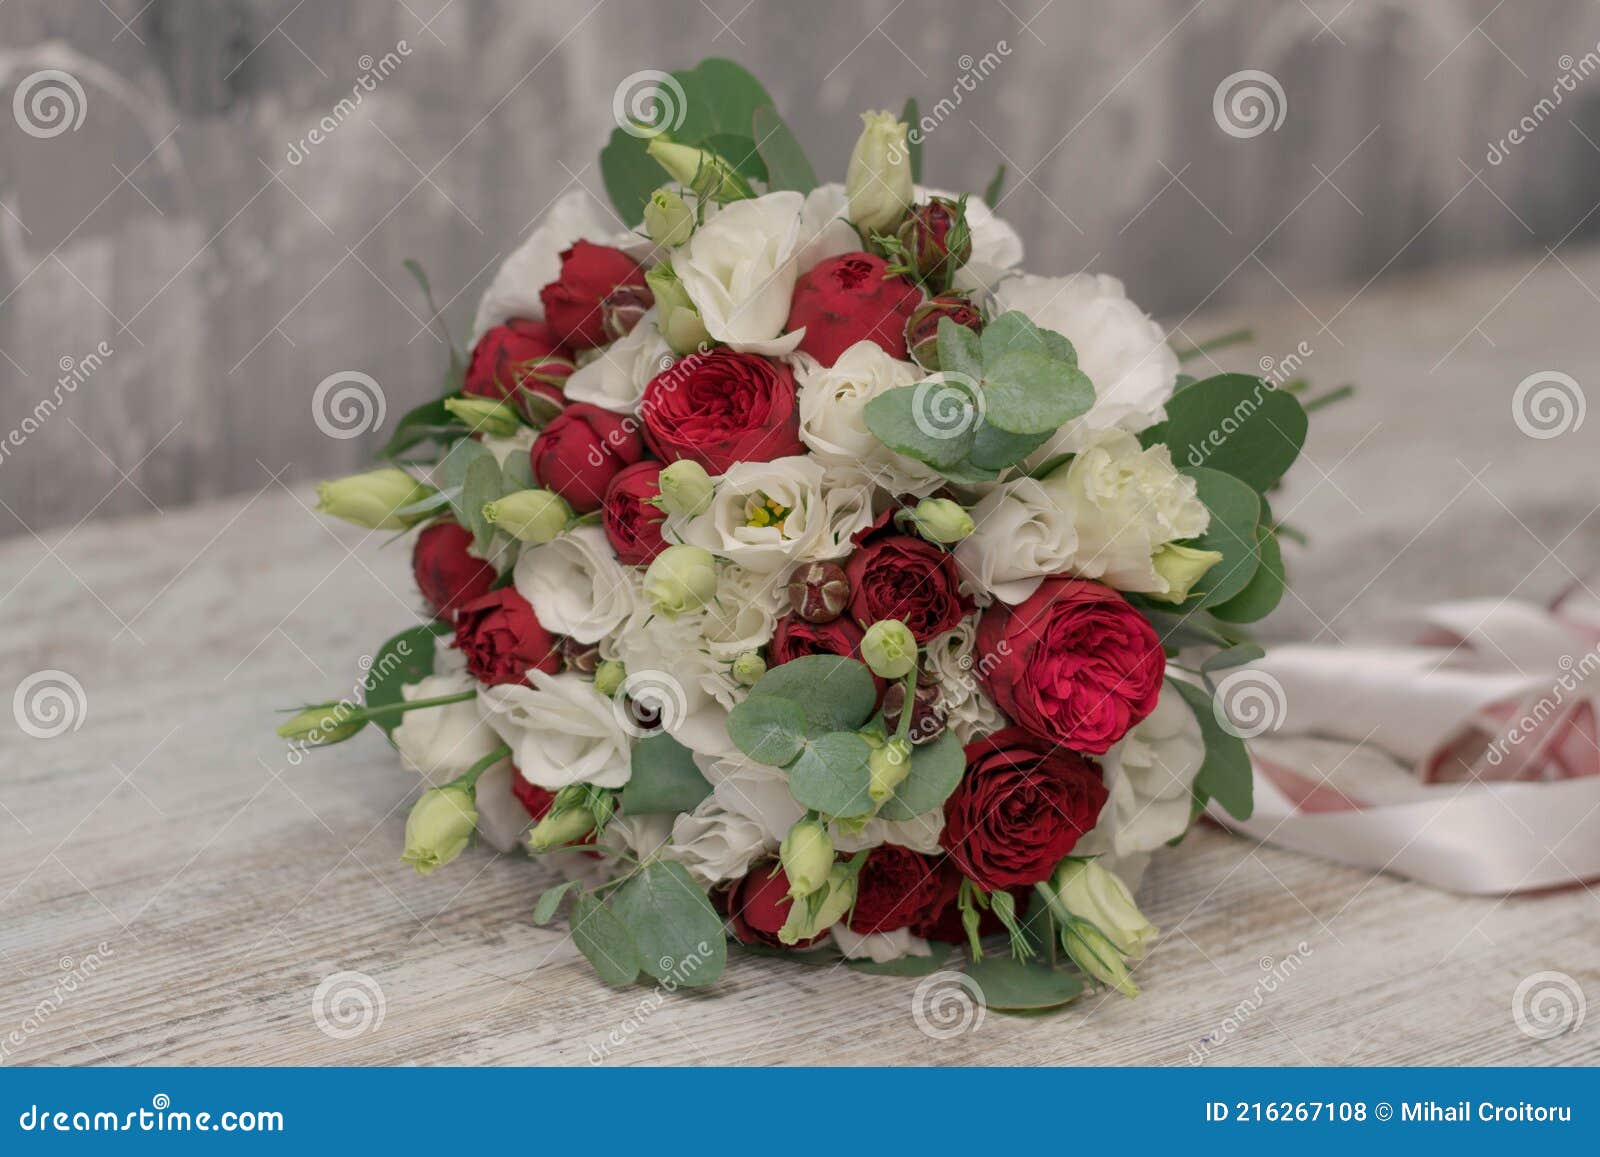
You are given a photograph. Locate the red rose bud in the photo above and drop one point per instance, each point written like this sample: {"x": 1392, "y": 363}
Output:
{"x": 818, "y": 591}
{"x": 522, "y": 362}
{"x": 623, "y": 308}
{"x": 848, "y": 299}
{"x": 446, "y": 574}
{"x": 503, "y": 639}
{"x": 1074, "y": 664}
{"x": 922, "y": 331}
{"x": 632, "y": 522}
{"x": 720, "y": 408}
{"x": 581, "y": 451}
{"x": 936, "y": 239}
{"x": 900, "y": 577}
{"x": 572, "y": 303}
{"x": 757, "y": 906}
{"x": 898, "y": 888}
{"x": 1021, "y": 806}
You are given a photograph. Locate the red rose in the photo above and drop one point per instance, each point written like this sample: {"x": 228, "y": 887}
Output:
{"x": 502, "y": 639}
{"x": 898, "y": 888}
{"x": 795, "y": 637}
{"x": 589, "y": 273}
{"x": 582, "y": 450}
{"x": 522, "y": 357}
{"x": 720, "y": 408}
{"x": 922, "y": 331}
{"x": 1020, "y": 807}
{"x": 848, "y": 299}
{"x": 1074, "y": 664}
{"x": 446, "y": 574}
{"x": 757, "y": 906}
{"x": 631, "y": 523}
{"x": 900, "y": 577}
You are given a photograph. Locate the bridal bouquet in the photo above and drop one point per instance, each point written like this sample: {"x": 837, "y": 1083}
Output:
{"x": 800, "y": 572}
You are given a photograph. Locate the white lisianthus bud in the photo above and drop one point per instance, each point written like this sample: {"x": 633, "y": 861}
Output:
{"x": 887, "y": 768}
{"x": 807, "y": 857}
{"x": 704, "y": 172}
{"x": 878, "y": 183}
{"x": 686, "y": 488}
{"x": 324, "y": 724}
{"x": 1182, "y": 567}
{"x": 373, "y": 499}
{"x": 676, "y": 316}
{"x": 1091, "y": 951}
{"x": 485, "y": 416}
{"x": 668, "y": 220}
{"x": 803, "y": 925}
{"x": 681, "y": 579}
{"x": 535, "y": 516}
{"x": 560, "y": 828}
{"x": 608, "y": 676}
{"x": 890, "y": 649}
{"x": 439, "y": 827}
{"x": 941, "y": 520}
{"x": 1092, "y": 893}
{"x": 747, "y": 668}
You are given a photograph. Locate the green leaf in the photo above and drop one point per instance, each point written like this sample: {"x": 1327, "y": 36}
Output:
{"x": 1235, "y": 423}
{"x": 991, "y": 192}
{"x": 909, "y": 116}
{"x": 787, "y": 165}
{"x": 665, "y": 779}
{"x": 405, "y": 658}
{"x": 1182, "y": 630}
{"x": 741, "y": 152}
{"x": 936, "y": 769}
{"x": 1235, "y": 510}
{"x": 1225, "y": 776}
{"x": 1007, "y": 984}
{"x": 768, "y": 729}
{"x": 483, "y": 484}
{"x": 1028, "y": 392}
{"x": 1235, "y": 656}
{"x": 516, "y": 473}
{"x": 545, "y": 910}
{"x": 1015, "y": 331}
{"x": 831, "y": 776}
{"x": 1261, "y": 597}
{"x": 604, "y": 940}
{"x": 994, "y": 449}
{"x": 934, "y": 421}
{"x": 938, "y": 954}
{"x": 429, "y": 422}
{"x": 451, "y": 473}
{"x": 678, "y": 934}
{"x": 960, "y": 351}
{"x": 837, "y": 693}
{"x": 969, "y": 472}
{"x": 630, "y": 174}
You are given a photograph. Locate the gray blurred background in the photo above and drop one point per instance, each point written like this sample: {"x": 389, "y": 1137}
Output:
{"x": 228, "y": 268}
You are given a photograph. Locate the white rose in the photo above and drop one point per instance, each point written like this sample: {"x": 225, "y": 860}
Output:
{"x": 576, "y": 585}
{"x": 1125, "y": 501}
{"x": 969, "y": 712}
{"x": 440, "y": 743}
{"x": 1149, "y": 776}
{"x": 1123, "y": 352}
{"x": 506, "y": 446}
{"x": 1020, "y": 535}
{"x": 615, "y": 380}
{"x": 739, "y": 270}
{"x": 746, "y": 495}
{"x": 833, "y": 402}
{"x": 879, "y": 947}
{"x": 715, "y": 844}
{"x": 561, "y": 731}
{"x": 756, "y": 791}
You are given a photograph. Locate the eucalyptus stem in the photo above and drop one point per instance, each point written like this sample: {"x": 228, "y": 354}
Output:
{"x": 404, "y": 705}
{"x": 1235, "y": 337}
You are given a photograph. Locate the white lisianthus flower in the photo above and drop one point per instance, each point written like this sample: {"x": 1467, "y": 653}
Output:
{"x": 501, "y": 817}
{"x": 1020, "y": 535}
{"x": 576, "y": 585}
{"x": 919, "y": 834}
{"x": 715, "y": 844}
{"x": 741, "y": 526}
{"x": 638, "y": 836}
{"x": 756, "y": 791}
{"x": 745, "y": 612}
{"x": 1149, "y": 776}
{"x": 1123, "y": 352}
{"x": 825, "y": 230}
{"x": 833, "y": 423}
{"x": 969, "y": 712}
{"x": 561, "y": 731}
{"x": 846, "y": 508}
{"x": 671, "y": 670}
{"x": 879, "y": 947}
{"x": 440, "y": 743}
{"x": 739, "y": 270}
{"x": 615, "y": 380}
{"x": 504, "y": 447}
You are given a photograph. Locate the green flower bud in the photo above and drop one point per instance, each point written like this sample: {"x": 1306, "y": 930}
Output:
{"x": 535, "y": 516}
{"x": 748, "y": 669}
{"x": 807, "y": 857}
{"x": 439, "y": 827}
{"x": 676, "y": 316}
{"x": 941, "y": 520}
{"x": 485, "y": 416}
{"x": 887, "y": 768}
{"x": 560, "y": 828}
{"x": 323, "y": 724}
{"x": 1097, "y": 956}
{"x": 608, "y": 676}
{"x": 704, "y": 172}
{"x": 373, "y": 499}
{"x": 681, "y": 579}
{"x": 1182, "y": 567}
{"x": 802, "y": 924}
{"x": 1090, "y": 892}
{"x": 878, "y": 183}
{"x": 890, "y": 649}
{"x": 667, "y": 218}
{"x": 686, "y": 488}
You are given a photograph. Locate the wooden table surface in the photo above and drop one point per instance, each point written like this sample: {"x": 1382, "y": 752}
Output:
{"x": 173, "y": 891}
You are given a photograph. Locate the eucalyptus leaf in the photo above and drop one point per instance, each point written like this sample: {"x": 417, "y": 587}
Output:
{"x": 1015, "y": 331}
{"x": 403, "y": 659}
{"x": 787, "y": 165}
{"x": 1028, "y": 392}
{"x": 938, "y": 954}
{"x": 837, "y": 693}
{"x": 677, "y": 932}
{"x": 483, "y": 484}
{"x": 934, "y": 421}
{"x": 740, "y": 151}
{"x": 936, "y": 769}
{"x": 603, "y": 940}
{"x": 665, "y": 779}
{"x": 1261, "y": 597}
{"x": 769, "y": 729}
{"x": 1234, "y": 423}
{"x": 1235, "y": 510}
{"x": 830, "y": 775}
{"x": 429, "y": 422}
{"x": 994, "y": 449}
{"x": 908, "y": 115}
{"x": 1235, "y": 656}
{"x": 550, "y": 900}
{"x": 1006, "y": 984}
{"x": 1225, "y": 776}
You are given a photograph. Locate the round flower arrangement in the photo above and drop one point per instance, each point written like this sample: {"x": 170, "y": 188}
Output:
{"x": 799, "y": 572}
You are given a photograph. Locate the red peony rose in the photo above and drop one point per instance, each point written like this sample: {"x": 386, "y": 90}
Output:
{"x": 631, "y": 523}
{"x": 757, "y": 906}
{"x": 945, "y": 924}
{"x": 446, "y": 574}
{"x": 502, "y": 639}
{"x": 848, "y": 299}
{"x": 898, "y": 888}
{"x": 582, "y": 450}
{"x": 896, "y": 576}
{"x": 518, "y": 359}
{"x": 1020, "y": 807}
{"x": 795, "y": 637}
{"x": 720, "y": 408}
{"x": 1074, "y": 664}
{"x": 589, "y": 273}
